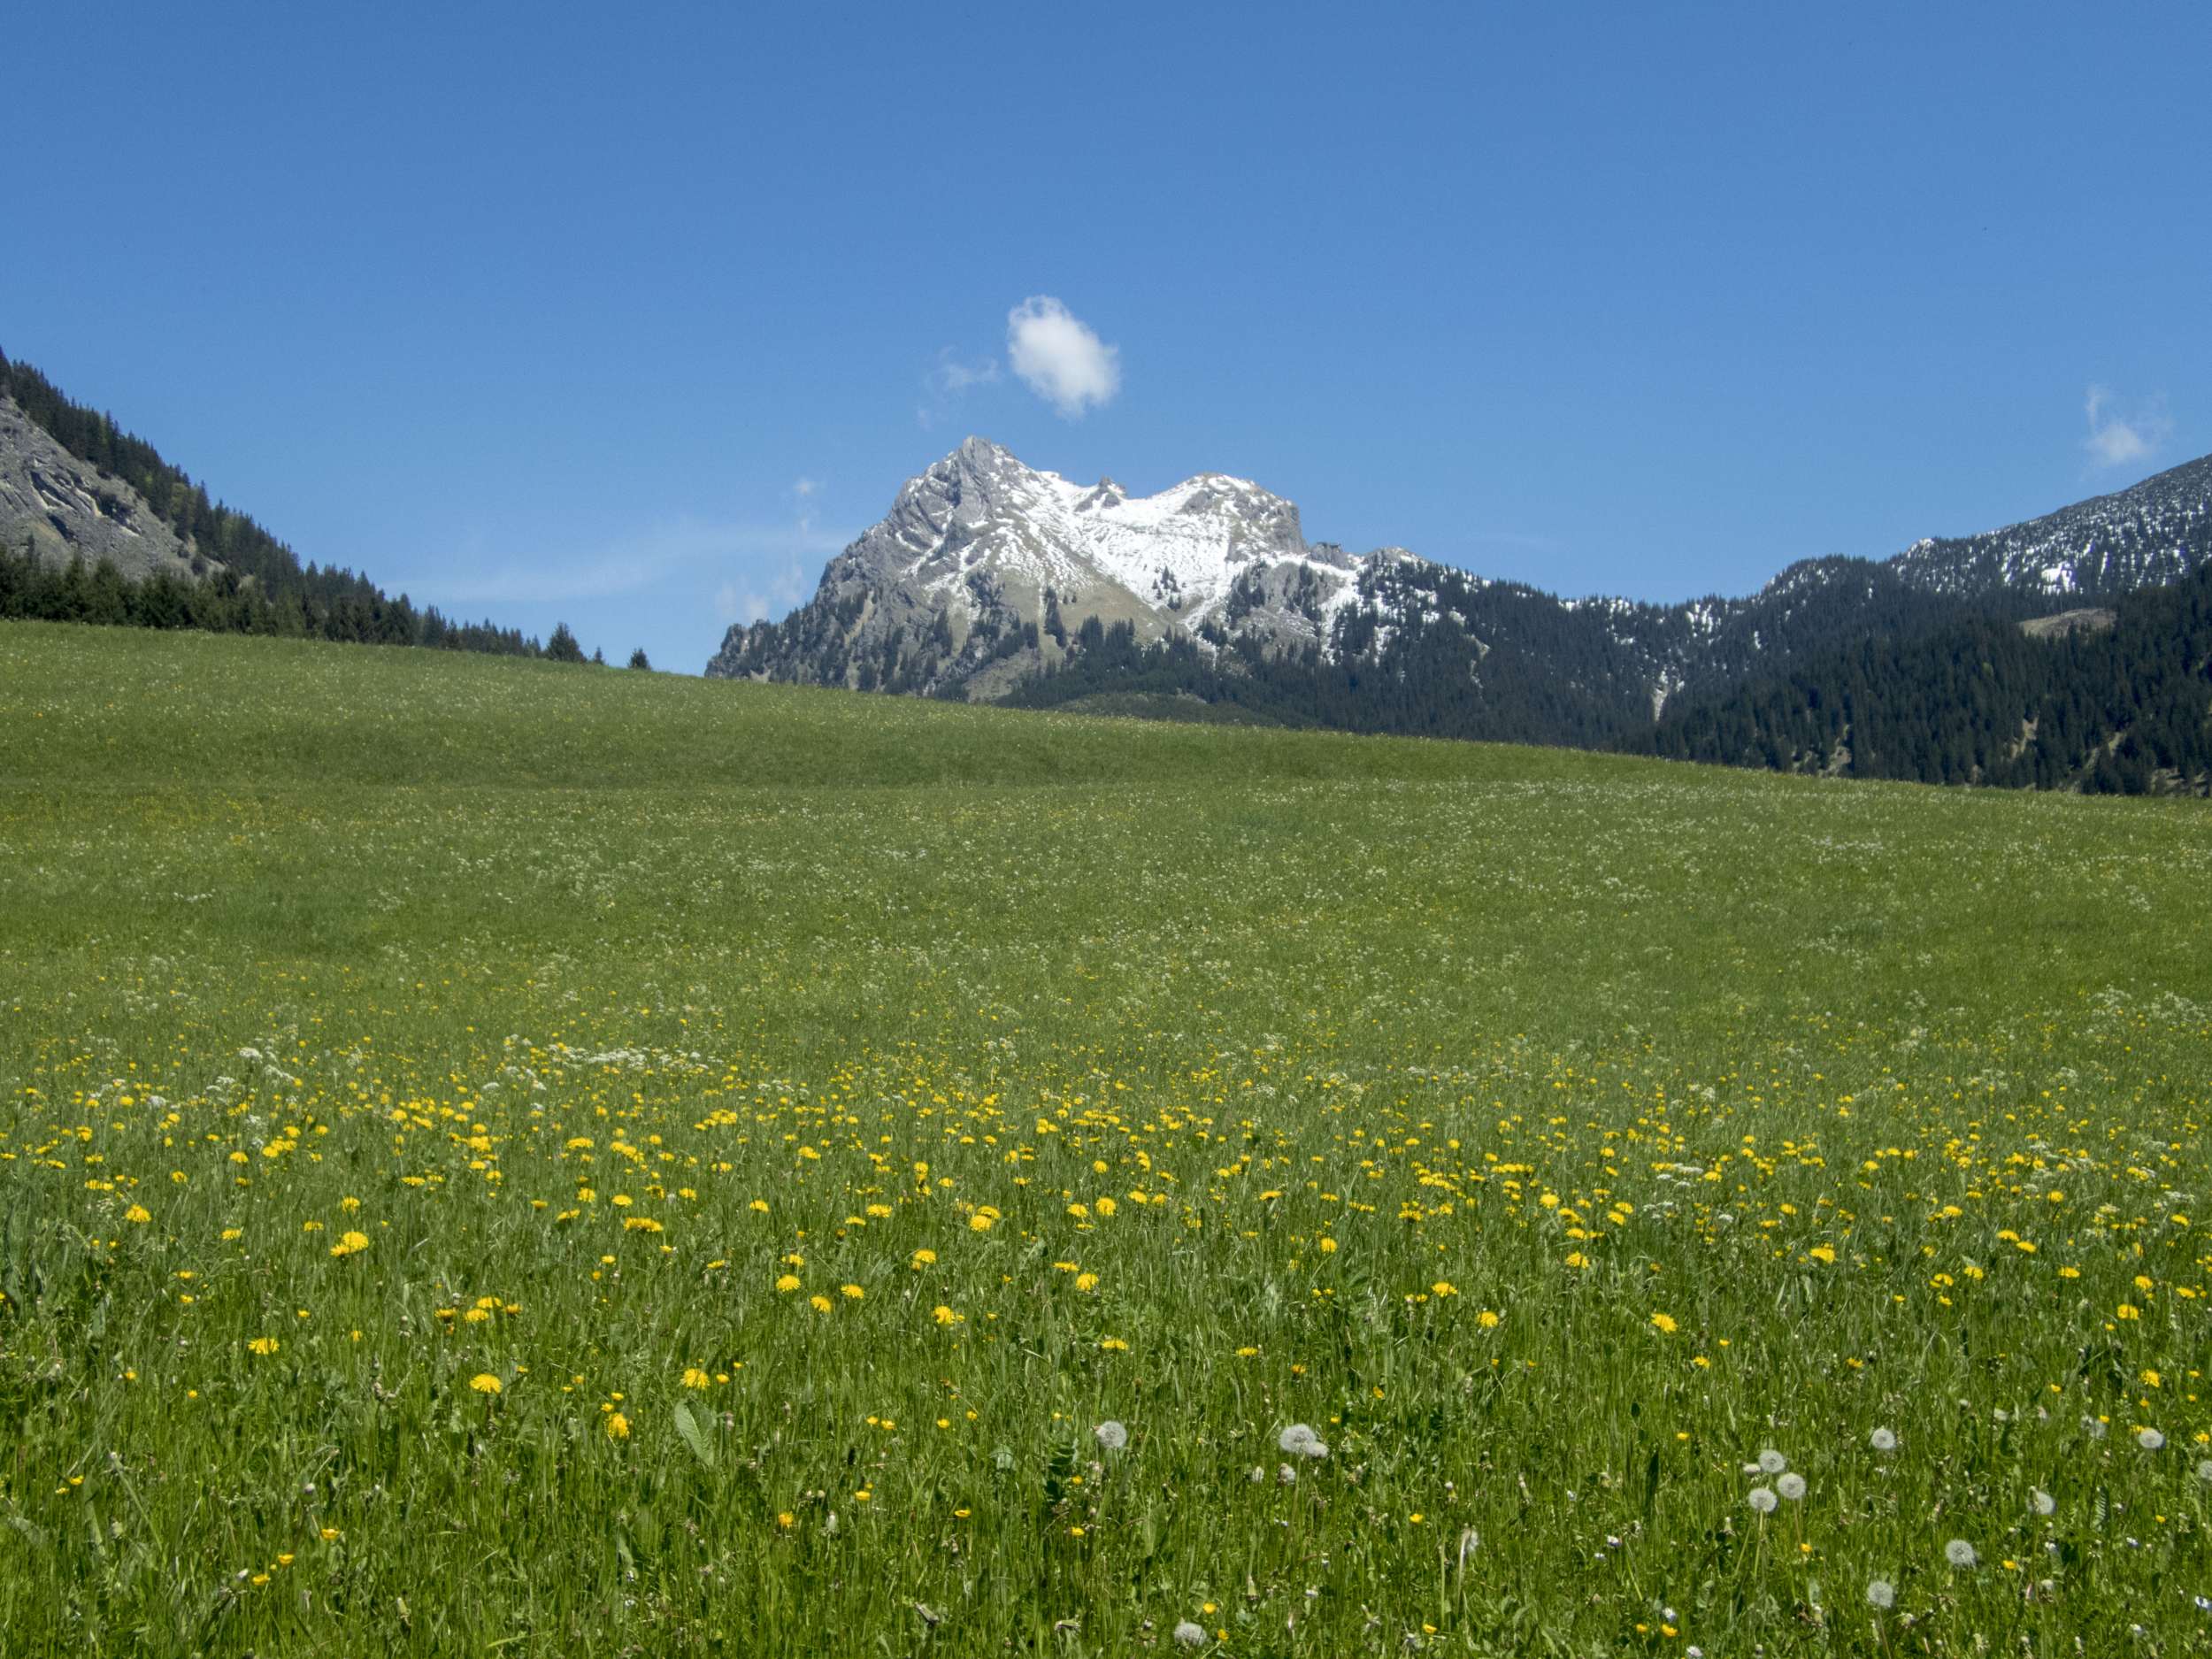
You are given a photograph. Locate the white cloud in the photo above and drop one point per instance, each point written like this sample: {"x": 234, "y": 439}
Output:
{"x": 948, "y": 381}
{"x": 1059, "y": 358}
{"x": 654, "y": 557}
{"x": 2116, "y": 440}
{"x": 757, "y": 601}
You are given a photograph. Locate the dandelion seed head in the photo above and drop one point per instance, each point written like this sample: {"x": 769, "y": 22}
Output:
{"x": 1773, "y": 1462}
{"x": 1190, "y": 1635}
{"x": 2149, "y": 1439}
{"x": 1111, "y": 1434}
{"x": 1880, "y": 1593}
{"x": 1959, "y": 1553}
{"x": 1761, "y": 1499}
{"x": 1790, "y": 1486}
{"x": 1882, "y": 1441}
{"x": 2044, "y": 1503}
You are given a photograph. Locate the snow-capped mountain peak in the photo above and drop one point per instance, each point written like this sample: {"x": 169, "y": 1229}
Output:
{"x": 979, "y": 549}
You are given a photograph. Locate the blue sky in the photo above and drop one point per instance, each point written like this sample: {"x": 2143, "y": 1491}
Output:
{"x": 632, "y": 315}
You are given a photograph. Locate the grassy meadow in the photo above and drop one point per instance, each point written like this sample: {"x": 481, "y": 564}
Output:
{"x": 505, "y": 1159}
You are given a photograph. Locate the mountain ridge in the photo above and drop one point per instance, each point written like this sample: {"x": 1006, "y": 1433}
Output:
{"x": 981, "y": 580}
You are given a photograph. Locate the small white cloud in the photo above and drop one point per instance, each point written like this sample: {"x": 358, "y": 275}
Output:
{"x": 805, "y": 487}
{"x": 948, "y": 381}
{"x": 649, "y": 558}
{"x": 732, "y": 603}
{"x": 2117, "y": 439}
{"x": 952, "y": 375}
{"x": 1059, "y": 358}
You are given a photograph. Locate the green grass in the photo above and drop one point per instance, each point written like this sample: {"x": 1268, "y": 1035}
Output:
{"x": 795, "y": 974}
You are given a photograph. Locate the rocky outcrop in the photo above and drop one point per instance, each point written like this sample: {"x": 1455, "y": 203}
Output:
{"x": 63, "y": 508}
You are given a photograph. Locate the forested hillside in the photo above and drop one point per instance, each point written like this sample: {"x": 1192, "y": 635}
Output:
{"x": 1419, "y": 668}
{"x": 247, "y": 580}
{"x": 2117, "y": 701}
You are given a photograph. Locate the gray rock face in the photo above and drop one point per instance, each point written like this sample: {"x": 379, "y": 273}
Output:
{"x": 63, "y": 508}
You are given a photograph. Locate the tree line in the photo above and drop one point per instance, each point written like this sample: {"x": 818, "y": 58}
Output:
{"x": 248, "y": 582}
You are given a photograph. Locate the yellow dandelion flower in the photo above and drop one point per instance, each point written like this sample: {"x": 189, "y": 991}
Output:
{"x": 485, "y": 1383}
{"x": 262, "y": 1344}
{"x": 1665, "y": 1322}
{"x": 822, "y": 1304}
{"x": 618, "y": 1427}
{"x": 789, "y": 1283}
{"x": 136, "y": 1215}
{"x": 694, "y": 1378}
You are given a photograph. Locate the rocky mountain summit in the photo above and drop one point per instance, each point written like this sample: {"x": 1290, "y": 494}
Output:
{"x": 984, "y": 567}
{"x": 987, "y": 576}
